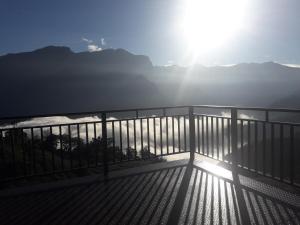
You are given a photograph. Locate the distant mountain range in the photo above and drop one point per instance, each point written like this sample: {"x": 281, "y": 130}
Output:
{"x": 53, "y": 59}
{"x": 55, "y": 79}
{"x": 266, "y": 84}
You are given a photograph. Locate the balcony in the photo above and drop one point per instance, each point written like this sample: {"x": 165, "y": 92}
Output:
{"x": 170, "y": 165}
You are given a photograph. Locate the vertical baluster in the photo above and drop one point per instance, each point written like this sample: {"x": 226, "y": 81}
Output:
{"x": 223, "y": 138}
{"x": 233, "y": 134}
{"x": 61, "y": 149}
{"x": 154, "y": 135}
{"x": 272, "y": 150}
{"x": 292, "y": 160}
{"x": 264, "y": 148}
{"x": 173, "y": 134}
{"x": 207, "y": 136}
{"x": 217, "y": 133}
{"x": 52, "y": 150}
{"x": 113, "y": 140}
{"x": 134, "y": 130}
{"x": 148, "y": 138}
{"x": 281, "y": 152}
{"x": 198, "y": 132}
{"x": 23, "y": 152}
{"x": 212, "y": 136}
{"x": 128, "y": 142}
{"x": 43, "y": 148}
{"x": 104, "y": 143}
{"x": 228, "y": 137}
{"x": 242, "y": 143}
{"x": 178, "y": 125}
{"x": 202, "y": 133}
{"x": 142, "y": 139}
{"x": 121, "y": 141}
{"x": 184, "y": 127}
{"x": 33, "y": 151}
{"x": 256, "y": 146}
{"x": 2, "y": 147}
{"x": 87, "y": 144}
{"x": 96, "y": 147}
{"x": 78, "y": 146}
{"x": 167, "y": 133}
{"x": 192, "y": 133}
{"x": 161, "y": 139}
{"x": 13, "y": 154}
{"x": 70, "y": 144}
{"x": 249, "y": 143}
{"x": 265, "y": 141}
{"x": 134, "y": 134}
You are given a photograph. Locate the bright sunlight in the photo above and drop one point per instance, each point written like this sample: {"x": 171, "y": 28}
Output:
{"x": 209, "y": 24}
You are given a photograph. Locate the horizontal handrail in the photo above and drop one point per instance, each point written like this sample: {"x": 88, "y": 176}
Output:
{"x": 90, "y": 112}
{"x": 87, "y": 122}
{"x": 249, "y": 108}
{"x": 289, "y": 110}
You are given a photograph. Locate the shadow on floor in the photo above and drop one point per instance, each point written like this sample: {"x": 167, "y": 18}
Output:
{"x": 184, "y": 194}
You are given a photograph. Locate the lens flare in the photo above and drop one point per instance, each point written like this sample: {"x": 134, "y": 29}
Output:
{"x": 209, "y": 24}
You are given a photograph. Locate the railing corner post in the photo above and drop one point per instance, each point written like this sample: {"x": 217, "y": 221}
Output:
{"x": 192, "y": 133}
{"x": 104, "y": 144}
{"x": 234, "y": 122}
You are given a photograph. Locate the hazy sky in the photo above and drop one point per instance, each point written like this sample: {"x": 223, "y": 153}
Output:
{"x": 271, "y": 31}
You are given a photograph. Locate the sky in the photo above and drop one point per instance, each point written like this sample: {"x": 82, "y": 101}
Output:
{"x": 270, "y": 29}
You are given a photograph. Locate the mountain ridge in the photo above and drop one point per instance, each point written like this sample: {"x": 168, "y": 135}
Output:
{"x": 53, "y": 50}
{"x": 55, "y": 79}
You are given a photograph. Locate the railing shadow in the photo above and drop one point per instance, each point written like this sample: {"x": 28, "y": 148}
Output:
{"x": 183, "y": 194}
{"x": 212, "y": 199}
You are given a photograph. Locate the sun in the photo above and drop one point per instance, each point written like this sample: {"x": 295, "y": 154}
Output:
{"x": 209, "y": 24}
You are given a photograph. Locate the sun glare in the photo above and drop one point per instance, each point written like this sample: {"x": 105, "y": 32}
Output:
{"x": 209, "y": 24}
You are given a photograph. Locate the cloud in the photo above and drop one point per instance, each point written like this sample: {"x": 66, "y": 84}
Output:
{"x": 94, "y": 48}
{"x": 91, "y": 46}
{"x": 103, "y": 42}
{"x": 170, "y": 63}
{"x": 86, "y": 40}
{"x": 292, "y": 65}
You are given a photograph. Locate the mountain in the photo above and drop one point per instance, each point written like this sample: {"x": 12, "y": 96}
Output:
{"x": 56, "y": 79}
{"x": 246, "y": 71}
{"x": 245, "y": 84}
{"x": 53, "y": 59}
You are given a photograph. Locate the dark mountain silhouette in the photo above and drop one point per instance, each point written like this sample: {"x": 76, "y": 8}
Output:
{"x": 61, "y": 59}
{"x": 55, "y": 79}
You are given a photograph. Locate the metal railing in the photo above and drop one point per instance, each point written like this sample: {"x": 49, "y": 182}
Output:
{"x": 265, "y": 146}
{"x": 45, "y": 149}
{"x": 261, "y": 145}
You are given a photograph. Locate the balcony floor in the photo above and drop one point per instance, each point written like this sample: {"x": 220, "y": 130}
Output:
{"x": 174, "y": 192}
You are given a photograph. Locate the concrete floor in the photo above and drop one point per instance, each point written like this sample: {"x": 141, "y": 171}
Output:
{"x": 171, "y": 193}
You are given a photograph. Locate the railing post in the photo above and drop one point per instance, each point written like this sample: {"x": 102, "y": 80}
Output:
{"x": 233, "y": 132}
{"x": 104, "y": 144}
{"x": 192, "y": 133}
